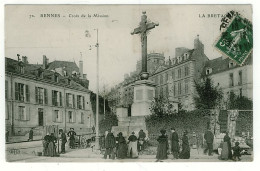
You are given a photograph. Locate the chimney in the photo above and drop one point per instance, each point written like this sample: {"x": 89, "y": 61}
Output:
{"x": 24, "y": 59}
{"x": 44, "y": 62}
{"x": 81, "y": 69}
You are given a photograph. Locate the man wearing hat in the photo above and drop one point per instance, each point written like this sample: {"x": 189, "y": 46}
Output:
{"x": 72, "y": 134}
{"x": 209, "y": 137}
{"x": 185, "y": 153}
{"x": 132, "y": 148}
{"x": 110, "y": 144}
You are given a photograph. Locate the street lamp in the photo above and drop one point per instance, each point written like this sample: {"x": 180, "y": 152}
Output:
{"x": 97, "y": 96}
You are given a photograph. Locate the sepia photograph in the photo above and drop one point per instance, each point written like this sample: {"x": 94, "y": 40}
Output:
{"x": 128, "y": 83}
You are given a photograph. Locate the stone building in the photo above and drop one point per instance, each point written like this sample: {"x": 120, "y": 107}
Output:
{"x": 175, "y": 78}
{"x": 40, "y": 95}
{"x": 231, "y": 77}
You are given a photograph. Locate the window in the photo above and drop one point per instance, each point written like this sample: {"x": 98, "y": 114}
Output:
{"x": 6, "y": 89}
{"x": 186, "y": 86}
{"x": 23, "y": 115}
{"x": 186, "y": 56}
{"x": 70, "y": 100}
{"x": 166, "y": 77}
{"x": 231, "y": 80}
{"x": 161, "y": 79}
{"x": 179, "y": 73}
{"x": 167, "y": 91}
{"x": 82, "y": 118}
{"x": 240, "y": 78}
{"x": 57, "y": 116}
{"x": 187, "y": 70}
{"x": 231, "y": 64}
{"x": 41, "y": 95}
{"x": 173, "y": 75}
{"x": 71, "y": 116}
{"x": 174, "y": 89}
{"x": 80, "y": 102}
{"x": 56, "y": 98}
{"x": 179, "y": 88}
{"x": 56, "y": 78}
{"x": 21, "y": 68}
{"x": 240, "y": 92}
{"x": 22, "y": 92}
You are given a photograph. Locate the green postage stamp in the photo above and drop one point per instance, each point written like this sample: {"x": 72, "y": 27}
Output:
{"x": 236, "y": 39}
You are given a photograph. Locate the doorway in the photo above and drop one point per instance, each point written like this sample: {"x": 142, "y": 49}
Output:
{"x": 40, "y": 117}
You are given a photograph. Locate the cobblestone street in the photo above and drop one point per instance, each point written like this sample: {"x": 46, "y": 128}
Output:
{"x": 28, "y": 151}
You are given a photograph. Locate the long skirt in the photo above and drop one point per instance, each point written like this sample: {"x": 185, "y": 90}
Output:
{"x": 51, "y": 149}
{"x": 162, "y": 151}
{"x": 185, "y": 153}
{"x": 122, "y": 151}
{"x": 224, "y": 151}
{"x": 132, "y": 149}
{"x": 45, "y": 148}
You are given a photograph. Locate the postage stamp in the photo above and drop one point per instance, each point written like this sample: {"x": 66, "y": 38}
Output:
{"x": 236, "y": 39}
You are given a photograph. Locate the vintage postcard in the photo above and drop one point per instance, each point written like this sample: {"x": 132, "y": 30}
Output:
{"x": 128, "y": 83}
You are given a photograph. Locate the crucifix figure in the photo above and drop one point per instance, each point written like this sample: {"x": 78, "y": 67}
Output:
{"x": 143, "y": 29}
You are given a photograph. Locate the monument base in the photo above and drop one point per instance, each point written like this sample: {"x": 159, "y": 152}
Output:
{"x": 144, "y": 92}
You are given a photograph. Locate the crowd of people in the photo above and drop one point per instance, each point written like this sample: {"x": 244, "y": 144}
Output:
{"x": 120, "y": 148}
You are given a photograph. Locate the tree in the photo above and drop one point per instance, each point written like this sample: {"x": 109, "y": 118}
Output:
{"x": 161, "y": 107}
{"x": 107, "y": 122}
{"x": 208, "y": 96}
{"x": 239, "y": 102}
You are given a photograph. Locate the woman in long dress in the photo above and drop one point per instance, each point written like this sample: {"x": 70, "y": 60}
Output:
{"x": 122, "y": 147}
{"x": 132, "y": 148}
{"x": 162, "y": 147}
{"x": 185, "y": 153}
{"x": 51, "y": 146}
{"x": 226, "y": 149}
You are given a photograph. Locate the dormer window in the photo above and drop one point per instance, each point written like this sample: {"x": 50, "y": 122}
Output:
{"x": 179, "y": 59}
{"x": 21, "y": 68}
{"x": 186, "y": 56}
{"x": 56, "y": 78}
{"x": 173, "y": 61}
{"x": 69, "y": 81}
{"x": 40, "y": 73}
{"x": 231, "y": 64}
{"x": 208, "y": 71}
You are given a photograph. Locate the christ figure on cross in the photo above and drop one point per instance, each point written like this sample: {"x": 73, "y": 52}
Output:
{"x": 143, "y": 29}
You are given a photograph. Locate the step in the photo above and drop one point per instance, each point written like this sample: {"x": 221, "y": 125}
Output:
{"x": 120, "y": 123}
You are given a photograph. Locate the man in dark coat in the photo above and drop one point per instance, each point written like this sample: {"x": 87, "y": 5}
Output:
{"x": 110, "y": 144}
{"x": 141, "y": 140}
{"x": 72, "y": 134}
{"x": 185, "y": 153}
{"x": 63, "y": 141}
{"x": 175, "y": 144}
{"x": 227, "y": 139}
{"x": 30, "y": 135}
{"x": 209, "y": 137}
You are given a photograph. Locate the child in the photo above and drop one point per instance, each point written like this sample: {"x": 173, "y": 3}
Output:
{"x": 237, "y": 152}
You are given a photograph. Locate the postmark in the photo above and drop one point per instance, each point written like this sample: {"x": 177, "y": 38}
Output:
{"x": 236, "y": 39}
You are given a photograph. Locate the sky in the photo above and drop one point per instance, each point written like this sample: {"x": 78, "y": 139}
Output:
{"x": 63, "y": 38}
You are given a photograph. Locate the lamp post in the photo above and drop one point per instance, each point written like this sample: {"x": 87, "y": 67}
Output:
{"x": 97, "y": 97}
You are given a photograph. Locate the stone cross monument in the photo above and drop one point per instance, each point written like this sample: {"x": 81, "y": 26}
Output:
{"x": 143, "y": 29}
{"x": 144, "y": 89}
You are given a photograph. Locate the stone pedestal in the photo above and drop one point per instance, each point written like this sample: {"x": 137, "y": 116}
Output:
{"x": 144, "y": 92}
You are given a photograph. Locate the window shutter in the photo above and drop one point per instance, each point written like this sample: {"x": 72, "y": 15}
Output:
{"x": 61, "y": 116}
{"x": 67, "y": 117}
{"x": 67, "y": 99}
{"x": 60, "y": 99}
{"x": 74, "y": 101}
{"x": 27, "y": 116}
{"x": 45, "y": 96}
{"x": 78, "y": 102}
{"x": 27, "y": 93}
{"x": 52, "y": 94}
{"x": 16, "y": 91}
{"x": 36, "y": 94}
{"x": 83, "y": 102}
{"x": 74, "y": 116}
{"x": 54, "y": 116}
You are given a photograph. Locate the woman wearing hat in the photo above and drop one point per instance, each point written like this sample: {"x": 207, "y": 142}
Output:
{"x": 132, "y": 148}
{"x": 162, "y": 147}
{"x": 185, "y": 153}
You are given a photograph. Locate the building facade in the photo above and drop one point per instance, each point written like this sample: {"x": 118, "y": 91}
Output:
{"x": 36, "y": 96}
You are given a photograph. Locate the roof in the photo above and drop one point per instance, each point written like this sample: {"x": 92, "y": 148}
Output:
{"x": 32, "y": 71}
{"x": 69, "y": 67}
{"x": 221, "y": 64}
